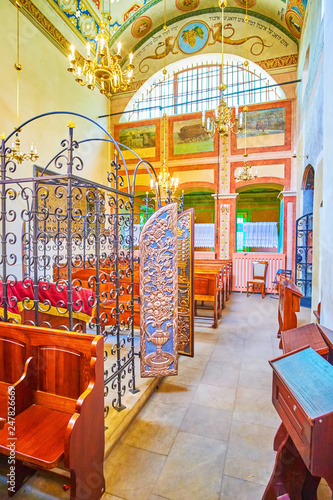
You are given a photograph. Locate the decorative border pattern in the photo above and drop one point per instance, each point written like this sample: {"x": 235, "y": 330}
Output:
{"x": 224, "y": 231}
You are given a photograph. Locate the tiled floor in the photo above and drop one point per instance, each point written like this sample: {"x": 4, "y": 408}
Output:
{"x": 208, "y": 433}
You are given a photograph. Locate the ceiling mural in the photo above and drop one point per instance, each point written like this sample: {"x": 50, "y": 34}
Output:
{"x": 194, "y": 27}
{"x": 263, "y": 42}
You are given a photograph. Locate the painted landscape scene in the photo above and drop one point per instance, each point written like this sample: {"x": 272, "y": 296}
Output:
{"x": 189, "y": 137}
{"x": 264, "y": 128}
{"x": 141, "y": 139}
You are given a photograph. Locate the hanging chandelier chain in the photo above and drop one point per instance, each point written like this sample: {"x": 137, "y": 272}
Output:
{"x": 103, "y": 68}
{"x": 15, "y": 153}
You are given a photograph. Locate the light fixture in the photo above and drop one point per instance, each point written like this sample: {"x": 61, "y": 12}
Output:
{"x": 103, "y": 68}
{"x": 295, "y": 155}
{"x": 16, "y": 153}
{"x": 245, "y": 172}
{"x": 222, "y": 120}
{"x": 165, "y": 181}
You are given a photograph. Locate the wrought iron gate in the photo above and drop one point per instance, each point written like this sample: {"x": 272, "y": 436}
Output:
{"x": 77, "y": 265}
{"x": 303, "y": 279}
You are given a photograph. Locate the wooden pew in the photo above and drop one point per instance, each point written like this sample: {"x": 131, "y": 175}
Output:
{"x": 13, "y": 354}
{"x": 87, "y": 279}
{"x": 206, "y": 287}
{"x": 223, "y": 266}
{"x": 289, "y": 304}
{"x": 59, "y": 409}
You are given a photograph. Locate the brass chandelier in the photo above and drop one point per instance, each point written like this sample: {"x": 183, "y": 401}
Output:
{"x": 16, "y": 152}
{"x": 165, "y": 181}
{"x": 222, "y": 120}
{"x": 245, "y": 172}
{"x": 103, "y": 68}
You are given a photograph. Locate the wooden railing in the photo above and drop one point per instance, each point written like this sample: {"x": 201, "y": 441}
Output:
{"x": 242, "y": 268}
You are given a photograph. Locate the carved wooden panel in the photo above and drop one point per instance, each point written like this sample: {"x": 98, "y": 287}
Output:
{"x": 159, "y": 293}
{"x": 186, "y": 283}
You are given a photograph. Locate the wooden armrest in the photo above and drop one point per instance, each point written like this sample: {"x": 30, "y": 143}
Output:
{"x": 84, "y": 436}
{"x": 25, "y": 386}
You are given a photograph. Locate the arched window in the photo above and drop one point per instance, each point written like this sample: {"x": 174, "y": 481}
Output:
{"x": 192, "y": 85}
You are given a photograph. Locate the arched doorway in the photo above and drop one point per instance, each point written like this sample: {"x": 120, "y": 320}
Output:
{"x": 304, "y": 232}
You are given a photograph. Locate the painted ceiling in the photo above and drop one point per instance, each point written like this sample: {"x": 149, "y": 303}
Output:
{"x": 194, "y": 27}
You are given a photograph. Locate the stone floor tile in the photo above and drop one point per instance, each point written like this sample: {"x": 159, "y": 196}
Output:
{"x": 215, "y": 396}
{"x": 255, "y": 406}
{"x": 107, "y": 496}
{"x": 193, "y": 469}
{"x": 255, "y": 379}
{"x": 189, "y": 375}
{"x": 229, "y": 350}
{"x": 155, "y": 428}
{"x": 205, "y": 421}
{"x": 221, "y": 373}
{"x": 131, "y": 473}
{"x": 174, "y": 393}
{"x": 236, "y": 489}
{"x": 250, "y": 453}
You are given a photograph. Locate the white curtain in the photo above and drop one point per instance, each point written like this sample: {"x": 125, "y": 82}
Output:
{"x": 204, "y": 235}
{"x": 261, "y": 234}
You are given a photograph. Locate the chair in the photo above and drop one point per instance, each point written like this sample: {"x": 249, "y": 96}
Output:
{"x": 259, "y": 278}
{"x": 280, "y": 273}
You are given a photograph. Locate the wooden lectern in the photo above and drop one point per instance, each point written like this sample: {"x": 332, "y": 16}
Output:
{"x": 289, "y": 305}
{"x": 304, "y": 336}
{"x": 303, "y": 397}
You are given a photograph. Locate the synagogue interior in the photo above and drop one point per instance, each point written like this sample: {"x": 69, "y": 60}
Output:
{"x": 166, "y": 325}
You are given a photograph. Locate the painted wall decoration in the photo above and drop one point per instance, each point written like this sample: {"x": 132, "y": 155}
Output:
{"x": 265, "y": 127}
{"x": 242, "y": 3}
{"x": 187, "y": 5}
{"x": 257, "y": 44}
{"x": 144, "y": 140}
{"x": 188, "y": 137}
{"x": 193, "y": 37}
{"x": 161, "y": 51}
{"x": 159, "y": 294}
{"x": 80, "y": 17}
{"x": 295, "y": 16}
{"x": 224, "y": 231}
{"x": 186, "y": 283}
{"x": 141, "y": 26}
{"x": 130, "y": 12}
{"x": 263, "y": 40}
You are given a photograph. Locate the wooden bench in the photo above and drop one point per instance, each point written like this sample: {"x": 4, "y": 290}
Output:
{"x": 13, "y": 354}
{"x": 107, "y": 288}
{"x": 289, "y": 304}
{"x": 317, "y": 312}
{"x": 222, "y": 266}
{"x": 59, "y": 409}
{"x": 206, "y": 288}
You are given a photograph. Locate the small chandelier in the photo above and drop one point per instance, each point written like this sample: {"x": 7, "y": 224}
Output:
{"x": 17, "y": 155}
{"x": 103, "y": 68}
{"x": 245, "y": 172}
{"x": 165, "y": 181}
{"x": 222, "y": 121}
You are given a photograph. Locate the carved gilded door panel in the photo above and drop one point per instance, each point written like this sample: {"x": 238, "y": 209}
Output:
{"x": 159, "y": 293}
{"x": 186, "y": 283}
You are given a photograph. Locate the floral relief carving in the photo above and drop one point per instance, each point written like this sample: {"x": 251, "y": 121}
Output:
{"x": 158, "y": 292}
